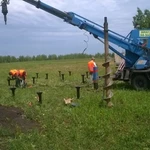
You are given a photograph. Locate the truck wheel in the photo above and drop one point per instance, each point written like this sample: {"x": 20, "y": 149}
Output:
{"x": 139, "y": 82}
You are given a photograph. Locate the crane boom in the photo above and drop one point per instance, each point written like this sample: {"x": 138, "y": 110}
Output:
{"x": 127, "y": 43}
{"x": 48, "y": 8}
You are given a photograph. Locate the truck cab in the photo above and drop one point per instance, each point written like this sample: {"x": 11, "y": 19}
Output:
{"x": 137, "y": 72}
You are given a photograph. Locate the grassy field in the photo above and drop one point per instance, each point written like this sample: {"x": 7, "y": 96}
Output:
{"x": 88, "y": 126}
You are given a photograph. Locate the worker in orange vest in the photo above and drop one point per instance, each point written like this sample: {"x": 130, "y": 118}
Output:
{"x": 14, "y": 75}
{"x": 22, "y": 76}
{"x": 91, "y": 65}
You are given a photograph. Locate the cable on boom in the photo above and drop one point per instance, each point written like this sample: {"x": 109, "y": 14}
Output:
{"x": 86, "y": 42}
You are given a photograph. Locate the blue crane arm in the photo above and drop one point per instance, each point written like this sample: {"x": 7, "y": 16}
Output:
{"x": 80, "y": 22}
{"x": 133, "y": 49}
{"x": 49, "y": 9}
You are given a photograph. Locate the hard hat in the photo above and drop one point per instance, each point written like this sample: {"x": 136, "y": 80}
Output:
{"x": 92, "y": 58}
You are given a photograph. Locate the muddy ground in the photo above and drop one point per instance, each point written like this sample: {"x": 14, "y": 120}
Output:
{"x": 13, "y": 118}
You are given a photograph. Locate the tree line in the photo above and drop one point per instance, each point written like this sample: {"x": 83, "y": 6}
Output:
{"x": 8, "y": 59}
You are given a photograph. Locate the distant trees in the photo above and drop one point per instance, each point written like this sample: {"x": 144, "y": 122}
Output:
{"x": 8, "y": 59}
{"x": 142, "y": 19}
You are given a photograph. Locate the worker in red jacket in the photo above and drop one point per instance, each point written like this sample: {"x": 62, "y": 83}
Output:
{"x": 22, "y": 76}
{"x": 91, "y": 65}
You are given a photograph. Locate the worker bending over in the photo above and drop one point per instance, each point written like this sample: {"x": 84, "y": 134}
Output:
{"x": 22, "y": 77}
{"x": 14, "y": 75}
{"x": 19, "y": 76}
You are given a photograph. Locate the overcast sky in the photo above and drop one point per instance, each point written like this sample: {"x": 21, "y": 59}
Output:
{"x": 31, "y": 31}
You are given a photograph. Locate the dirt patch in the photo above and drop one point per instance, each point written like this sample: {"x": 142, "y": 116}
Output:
{"x": 13, "y": 118}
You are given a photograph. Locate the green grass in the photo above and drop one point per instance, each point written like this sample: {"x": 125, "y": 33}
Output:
{"x": 89, "y": 126}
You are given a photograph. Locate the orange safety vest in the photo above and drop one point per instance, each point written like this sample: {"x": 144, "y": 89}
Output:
{"x": 13, "y": 72}
{"x": 91, "y": 65}
{"x": 22, "y": 73}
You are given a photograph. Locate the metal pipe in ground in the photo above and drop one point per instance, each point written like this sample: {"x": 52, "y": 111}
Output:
{"x": 69, "y": 73}
{"x": 46, "y": 76}
{"x": 78, "y": 91}
{"x": 40, "y": 97}
{"x": 62, "y": 77}
{"x": 59, "y": 73}
{"x": 83, "y": 81}
{"x": 33, "y": 80}
{"x": 37, "y": 75}
{"x": 107, "y": 93}
{"x": 13, "y": 90}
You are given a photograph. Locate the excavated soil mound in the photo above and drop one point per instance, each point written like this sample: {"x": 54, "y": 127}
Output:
{"x": 13, "y": 118}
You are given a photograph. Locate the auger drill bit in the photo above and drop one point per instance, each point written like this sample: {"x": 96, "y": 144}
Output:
{"x": 4, "y": 10}
{"x": 5, "y": 19}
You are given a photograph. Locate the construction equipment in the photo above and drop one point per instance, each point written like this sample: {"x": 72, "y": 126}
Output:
{"x": 4, "y": 4}
{"x": 136, "y": 45}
